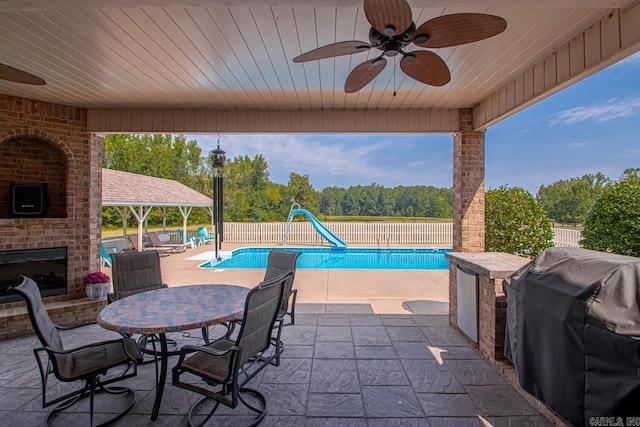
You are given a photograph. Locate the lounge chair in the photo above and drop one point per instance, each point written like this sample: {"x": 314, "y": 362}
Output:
{"x": 157, "y": 243}
{"x": 204, "y": 235}
{"x": 134, "y": 243}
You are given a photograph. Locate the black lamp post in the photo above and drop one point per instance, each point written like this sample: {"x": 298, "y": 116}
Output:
{"x": 217, "y": 159}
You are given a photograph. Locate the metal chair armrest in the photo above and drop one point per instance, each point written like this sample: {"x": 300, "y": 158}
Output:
{"x": 68, "y": 328}
{"x": 206, "y": 349}
{"x": 84, "y": 347}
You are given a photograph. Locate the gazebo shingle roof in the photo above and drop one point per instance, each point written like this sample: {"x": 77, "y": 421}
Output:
{"x": 130, "y": 189}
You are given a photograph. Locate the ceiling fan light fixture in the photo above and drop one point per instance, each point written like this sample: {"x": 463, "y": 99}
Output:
{"x": 378, "y": 61}
{"x": 392, "y": 48}
{"x": 409, "y": 57}
{"x": 421, "y": 38}
{"x": 389, "y": 31}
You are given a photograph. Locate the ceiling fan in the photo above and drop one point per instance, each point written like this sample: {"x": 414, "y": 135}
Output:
{"x": 393, "y": 29}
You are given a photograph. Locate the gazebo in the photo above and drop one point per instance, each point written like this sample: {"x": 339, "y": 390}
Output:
{"x": 138, "y": 194}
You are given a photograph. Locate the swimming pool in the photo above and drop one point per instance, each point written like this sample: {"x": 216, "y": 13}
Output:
{"x": 346, "y": 259}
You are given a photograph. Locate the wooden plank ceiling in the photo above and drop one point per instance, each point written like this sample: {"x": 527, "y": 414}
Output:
{"x": 238, "y": 55}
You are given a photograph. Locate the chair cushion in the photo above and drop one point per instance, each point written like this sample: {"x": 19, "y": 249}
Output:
{"x": 216, "y": 369}
{"x": 91, "y": 360}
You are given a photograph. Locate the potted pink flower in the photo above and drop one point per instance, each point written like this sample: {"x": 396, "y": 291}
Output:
{"x": 97, "y": 285}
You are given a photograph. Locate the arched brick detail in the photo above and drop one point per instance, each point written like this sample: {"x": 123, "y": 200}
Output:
{"x": 37, "y": 160}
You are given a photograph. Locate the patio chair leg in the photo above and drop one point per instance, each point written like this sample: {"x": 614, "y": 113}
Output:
{"x": 195, "y": 407}
{"x": 95, "y": 389}
{"x": 261, "y": 412}
{"x": 278, "y": 342}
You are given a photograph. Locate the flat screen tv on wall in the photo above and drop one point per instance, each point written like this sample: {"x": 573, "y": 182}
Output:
{"x": 28, "y": 200}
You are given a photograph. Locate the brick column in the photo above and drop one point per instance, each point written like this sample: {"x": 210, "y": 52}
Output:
{"x": 96, "y": 151}
{"x": 468, "y": 197}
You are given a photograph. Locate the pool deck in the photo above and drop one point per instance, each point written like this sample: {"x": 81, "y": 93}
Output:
{"x": 369, "y": 348}
{"x": 324, "y": 290}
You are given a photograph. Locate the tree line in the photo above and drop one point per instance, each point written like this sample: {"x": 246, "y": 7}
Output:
{"x": 249, "y": 195}
{"x": 569, "y": 201}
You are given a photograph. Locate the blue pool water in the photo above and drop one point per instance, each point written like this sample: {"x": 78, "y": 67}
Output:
{"x": 349, "y": 259}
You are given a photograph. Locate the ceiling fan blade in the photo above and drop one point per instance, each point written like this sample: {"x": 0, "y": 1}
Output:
{"x": 334, "y": 49}
{"x": 457, "y": 29}
{"x": 426, "y": 67}
{"x": 16, "y": 75}
{"x": 363, "y": 74}
{"x": 389, "y": 17}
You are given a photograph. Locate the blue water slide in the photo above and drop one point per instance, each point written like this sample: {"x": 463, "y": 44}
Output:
{"x": 321, "y": 229}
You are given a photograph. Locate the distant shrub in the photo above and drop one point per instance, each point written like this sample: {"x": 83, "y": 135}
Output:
{"x": 516, "y": 223}
{"x": 613, "y": 223}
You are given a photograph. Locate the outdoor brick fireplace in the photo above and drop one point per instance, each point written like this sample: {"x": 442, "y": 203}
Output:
{"x": 43, "y": 143}
{"x": 47, "y": 267}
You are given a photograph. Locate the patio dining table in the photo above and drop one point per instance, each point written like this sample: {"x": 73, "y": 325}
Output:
{"x": 172, "y": 310}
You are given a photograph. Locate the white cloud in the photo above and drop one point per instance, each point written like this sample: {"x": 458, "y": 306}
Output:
{"x": 611, "y": 110}
{"x": 342, "y": 160}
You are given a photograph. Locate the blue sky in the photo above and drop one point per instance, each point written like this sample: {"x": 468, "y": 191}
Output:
{"x": 589, "y": 127}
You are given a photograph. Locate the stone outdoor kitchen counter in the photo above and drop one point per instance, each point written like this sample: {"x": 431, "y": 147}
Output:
{"x": 494, "y": 265}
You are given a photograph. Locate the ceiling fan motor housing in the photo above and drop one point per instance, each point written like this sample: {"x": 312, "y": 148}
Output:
{"x": 391, "y": 46}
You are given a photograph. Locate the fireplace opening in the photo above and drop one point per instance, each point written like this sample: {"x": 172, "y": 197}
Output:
{"x": 47, "y": 267}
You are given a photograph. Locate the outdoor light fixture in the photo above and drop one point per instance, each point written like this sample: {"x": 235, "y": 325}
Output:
{"x": 217, "y": 161}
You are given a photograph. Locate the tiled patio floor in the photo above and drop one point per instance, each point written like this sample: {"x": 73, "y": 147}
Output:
{"x": 346, "y": 363}
{"x": 337, "y": 370}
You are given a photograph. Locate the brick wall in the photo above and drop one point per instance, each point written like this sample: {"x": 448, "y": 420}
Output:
{"x": 43, "y": 142}
{"x": 492, "y": 313}
{"x": 468, "y": 197}
{"x": 468, "y": 186}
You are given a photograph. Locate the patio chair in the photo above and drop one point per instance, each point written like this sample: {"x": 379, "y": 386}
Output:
{"x": 204, "y": 235}
{"x": 88, "y": 363}
{"x": 105, "y": 257}
{"x": 136, "y": 272}
{"x": 226, "y": 365}
{"x": 193, "y": 240}
{"x": 157, "y": 243}
{"x": 281, "y": 261}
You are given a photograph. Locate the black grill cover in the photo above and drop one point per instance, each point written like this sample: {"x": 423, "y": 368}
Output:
{"x": 576, "y": 338}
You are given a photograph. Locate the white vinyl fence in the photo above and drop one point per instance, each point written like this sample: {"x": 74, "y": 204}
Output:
{"x": 352, "y": 233}
{"x": 565, "y": 237}
{"x": 361, "y": 233}
{"x": 380, "y": 234}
